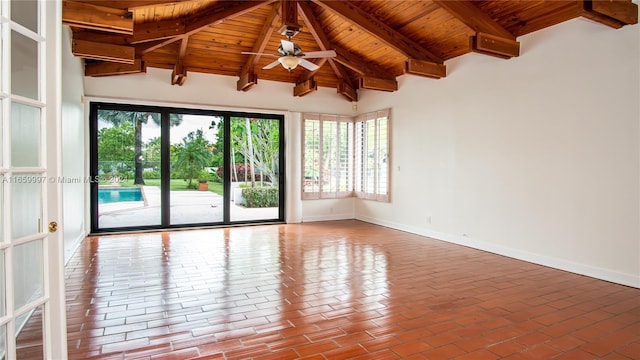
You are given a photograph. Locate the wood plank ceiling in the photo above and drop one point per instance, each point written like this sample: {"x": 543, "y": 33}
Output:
{"x": 375, "y": 40}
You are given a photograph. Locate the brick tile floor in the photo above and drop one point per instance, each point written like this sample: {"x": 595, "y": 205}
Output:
{"x": 333, "y": 290}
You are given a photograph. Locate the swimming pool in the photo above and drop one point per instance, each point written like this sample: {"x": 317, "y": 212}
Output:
{"x": 119, "y": 194}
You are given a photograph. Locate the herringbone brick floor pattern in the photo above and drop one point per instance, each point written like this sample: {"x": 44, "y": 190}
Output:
{"x": 333, "y": 290}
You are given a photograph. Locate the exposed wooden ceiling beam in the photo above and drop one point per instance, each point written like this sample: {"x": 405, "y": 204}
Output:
{"x": 614, "y": 13}
{"x": 135, "y": 4}
{"x": 247, "y": 81}
{"x": 491, "y": 38}
{"x": 355, "y": 63}
{"x": 224, "y": 10}
{"x": 305, "y": 87}
{"x": 315, "y": 28}
{"x": 474, "y": 18}
{"x": 290, "y": 26}
{"x": 147, "y": 47}
{"x": 173, "y": 29}
{"x": 110, "y": 68}
{"x": 100, "y": 51}
{"x": 495, "y": 46}
{"x": 378, "y": 29}
{"x": 372, "y": 83}
{"x": 425, "y": 68}
{"x": 179, "y": 74}
{"x": 90, "y": 16}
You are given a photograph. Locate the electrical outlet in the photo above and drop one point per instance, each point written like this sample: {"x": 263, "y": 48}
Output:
{"x": 428, "y": 219}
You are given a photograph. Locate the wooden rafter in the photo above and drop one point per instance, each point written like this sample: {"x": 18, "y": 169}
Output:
{"x": 224, "y": 11}
{"x": 248, "y": 79}
{"x": 107, "y": 68}
{"x": 147, "y": 47}
{"x": 290, "y": 25}
{"x": 135, "y": 4}
{"x": 379, "y": 29}
{"x": 355, "y": 63}
{"x": 323, "y": 42}
{"x": 99, "y": 51}
{"x": 90, "y": 16}
{"x": 305, "y": 87}
{"x": 491, "y": 38}
{"x": 614, "y": 13}
{"x": 172, "y": 30}
{"x": 179, "y": 74}
{"x": 474, "y": 18}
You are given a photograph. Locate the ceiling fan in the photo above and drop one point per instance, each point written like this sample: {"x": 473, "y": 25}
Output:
{"x": 291, "y": 56}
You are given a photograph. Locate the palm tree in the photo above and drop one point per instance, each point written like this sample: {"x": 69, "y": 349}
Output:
{"x": 117, "y": 117}
{"x": 193, "y": 154}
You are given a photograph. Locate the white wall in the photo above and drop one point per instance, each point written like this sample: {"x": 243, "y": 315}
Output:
{"x": 73, "y": 145}
{"x": 219, "y": 92}
{"x": 537, "y": 157}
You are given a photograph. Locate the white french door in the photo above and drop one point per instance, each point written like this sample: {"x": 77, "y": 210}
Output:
{"x": 32, "y": 311}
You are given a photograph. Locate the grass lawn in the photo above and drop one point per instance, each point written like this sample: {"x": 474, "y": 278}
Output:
{"x": 177, "y": 185}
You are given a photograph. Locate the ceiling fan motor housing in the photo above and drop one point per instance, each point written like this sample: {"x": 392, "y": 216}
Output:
{"x": 297, "y": 51}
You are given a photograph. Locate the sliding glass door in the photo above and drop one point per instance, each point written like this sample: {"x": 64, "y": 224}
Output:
{"x": 128, "y": 168}
{"x": 155, "y": 167}
{"x": 255, "y": 168}
{"x": 196, "y": 191}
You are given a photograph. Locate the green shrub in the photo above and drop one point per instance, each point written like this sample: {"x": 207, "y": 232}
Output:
{"x": 259, "y": 197}
{"x": 153, "y": 174}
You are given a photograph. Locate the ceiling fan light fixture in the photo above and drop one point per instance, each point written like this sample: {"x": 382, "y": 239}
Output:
{"x": 289, "y": 62}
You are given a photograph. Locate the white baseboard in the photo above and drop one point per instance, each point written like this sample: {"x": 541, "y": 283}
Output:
{"x": 68, "y": 252}
{"x": 330, "y": 217}
{"x": 556, "y": 263}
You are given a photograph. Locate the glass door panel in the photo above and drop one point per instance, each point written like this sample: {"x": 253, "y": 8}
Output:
{"x": 25, "y": 13}
{"x": 25, "y": 135}
{"x": 128, "y": 168}
{"x": 3, "y": 342}
{"x": 29, "y": 342}
{"x": 196, "y": 195}
{"x": 255, "y": 162}
{"x": 28, "y": 274}
{"x": 3, "y": 309}
{"x": 26, "y": 205}
{"x": 24, "y": 66}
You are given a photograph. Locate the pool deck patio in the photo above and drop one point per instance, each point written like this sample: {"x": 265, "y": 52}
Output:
{"x": 187, "y": 207}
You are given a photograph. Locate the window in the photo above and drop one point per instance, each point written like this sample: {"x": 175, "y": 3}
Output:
{"x": 346, "y": 156}
{"x": 327, "y": 157}
{"x": 372, "y": 156}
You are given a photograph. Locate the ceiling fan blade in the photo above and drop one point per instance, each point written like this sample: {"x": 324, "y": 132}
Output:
{"x": 261, "y": 54}
{"x": 288, "y": 46}
{"x": 309, "y": 65}
{"x": 272, "y": 65}
{"x": 320, "y": 54}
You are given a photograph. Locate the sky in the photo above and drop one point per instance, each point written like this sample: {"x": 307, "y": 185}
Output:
{"x": 189, "y": 123}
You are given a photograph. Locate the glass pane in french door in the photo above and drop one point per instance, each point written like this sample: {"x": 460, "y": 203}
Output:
{"x": 25, "y": 13}
{"x": 196, "y": 149}
{"x": 255, "y": 158}
{"x": 25, "y": 135}
{"x": 28, "y": 273}
{"x": 3, "y": 308}
{"x": 128, "y": 146}
{"x": 29, "y": 335}
{"x": 26, "y": 205}
{"x": 24, "y": 66}
{"x": 3, "y": 342}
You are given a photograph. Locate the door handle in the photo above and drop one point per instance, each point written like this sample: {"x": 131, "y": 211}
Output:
{"x": 53, "y": 227}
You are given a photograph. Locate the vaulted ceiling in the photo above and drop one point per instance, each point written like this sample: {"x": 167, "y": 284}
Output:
{"x": 375, "y": 40}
